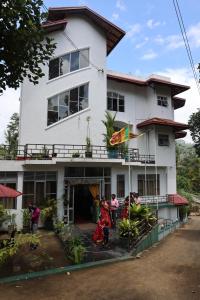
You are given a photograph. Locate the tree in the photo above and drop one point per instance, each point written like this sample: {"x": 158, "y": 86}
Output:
{"x": 194, "y": 126}
{"x": 24, "y": 47}
{"x": 12, "y": 134}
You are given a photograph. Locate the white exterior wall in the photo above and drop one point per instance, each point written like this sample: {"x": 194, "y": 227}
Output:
{"x": 72, "y": 130}
{"x": 168, "y": 213}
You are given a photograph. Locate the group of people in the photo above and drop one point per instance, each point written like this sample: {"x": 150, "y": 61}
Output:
{"x": 105, "y": 215}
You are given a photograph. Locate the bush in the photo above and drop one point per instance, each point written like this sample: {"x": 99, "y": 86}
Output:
{"x": 128, "y": 228}
{"x": 10, "y": 249}
{"x": 75, "y": 250}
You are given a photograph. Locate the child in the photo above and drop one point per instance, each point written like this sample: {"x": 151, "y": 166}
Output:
{"x": 105, "y": 232}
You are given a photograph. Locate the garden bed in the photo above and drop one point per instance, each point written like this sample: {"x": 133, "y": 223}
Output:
{"x": 50, "y": 254}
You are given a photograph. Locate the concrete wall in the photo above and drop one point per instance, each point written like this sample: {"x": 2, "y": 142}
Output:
{"x": 73, "y": 129}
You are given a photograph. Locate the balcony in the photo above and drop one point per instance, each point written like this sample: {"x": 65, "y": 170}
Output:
{"x": 66, "y": 151}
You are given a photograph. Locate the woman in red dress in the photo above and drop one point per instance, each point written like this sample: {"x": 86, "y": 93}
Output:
{"x": 104, "y": 218}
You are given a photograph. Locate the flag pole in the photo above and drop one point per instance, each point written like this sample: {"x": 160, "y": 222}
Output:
{"x": 129, "y": 187}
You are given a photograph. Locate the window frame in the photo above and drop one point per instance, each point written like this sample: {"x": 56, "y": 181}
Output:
{"x": 58, "y": 96}
{"x": 119, "y": 193}
{"x": 165, "y": 138}
{"x": 119, "y": 97}
{"x": 150, "y": 178}
{"x": 70, "y": 63}
{"x": 162, "y": 101}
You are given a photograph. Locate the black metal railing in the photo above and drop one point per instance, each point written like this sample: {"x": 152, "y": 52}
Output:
{"x": 49, "y": 151}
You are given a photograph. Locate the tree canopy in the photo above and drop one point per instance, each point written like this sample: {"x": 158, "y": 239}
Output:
{"x": 12, "y": 134}
{"x": 24, "y": 46}
{"x": 194, "y": 123}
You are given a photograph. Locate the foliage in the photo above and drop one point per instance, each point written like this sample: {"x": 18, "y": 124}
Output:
{"x": 24, "y": 46}
{"x": 59, "y": 226}
{"x": 194, "y": 126}
{"x": 128, "y": 228}
{"x": 12, "y": 134}
{"x": 10, "y": 249}
{"x": 142, "y": 212}
{"x": 75, "y": 250}
{"x": 188, "y": 168}
{"x": 26, "y": 217}
{"x": 109, "y": 123}
{"x": 3, "y": 215}
{"x": 48, "y": 213}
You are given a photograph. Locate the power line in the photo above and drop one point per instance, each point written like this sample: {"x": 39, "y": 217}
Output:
{"x": 186, "y": 42}
{"x": 76, "y": 47}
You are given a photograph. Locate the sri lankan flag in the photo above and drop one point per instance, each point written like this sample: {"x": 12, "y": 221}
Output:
{"x": 122, "y": 136}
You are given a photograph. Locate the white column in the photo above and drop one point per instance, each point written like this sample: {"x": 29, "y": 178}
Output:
{"x": 171, "y": 180}
{"x": 60, "y": 192}
{"x": 19, "y": 214}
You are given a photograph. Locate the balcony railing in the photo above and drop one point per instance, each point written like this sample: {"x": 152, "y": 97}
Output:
{"x": 49, "y": 151}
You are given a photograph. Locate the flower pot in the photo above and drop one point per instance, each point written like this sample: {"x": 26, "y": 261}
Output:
{"x": 113, "y": 153}
{"x": 88, "y": 154}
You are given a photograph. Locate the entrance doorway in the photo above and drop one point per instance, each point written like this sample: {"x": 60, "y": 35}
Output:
{"x": 83, "y": 202}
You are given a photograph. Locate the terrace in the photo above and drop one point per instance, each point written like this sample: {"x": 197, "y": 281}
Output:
{"x": 66, "y": 151}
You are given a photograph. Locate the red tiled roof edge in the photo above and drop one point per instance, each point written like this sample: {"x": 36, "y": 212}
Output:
{"x": 177, "y": 199}
{"x": 162, "y": 122}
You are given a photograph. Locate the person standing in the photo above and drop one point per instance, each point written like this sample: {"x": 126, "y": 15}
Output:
{"x": 114, "y": 204}
{"x": 35, "y": 214}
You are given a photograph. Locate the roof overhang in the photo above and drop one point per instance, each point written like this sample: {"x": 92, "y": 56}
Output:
{"x": 112, "y": 32}
{"x": 163, "y": 122}
{"x": 178, "y": 102}
{"x": 51, "y": 26}
{"x": 177, "y": 199}
{"x": 175, "y": 88}
{"x": 180, "y": 134}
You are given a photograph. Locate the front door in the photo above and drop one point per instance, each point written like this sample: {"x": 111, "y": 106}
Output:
{"x": 69, "y": 207}
{"x": 39, "y": 192}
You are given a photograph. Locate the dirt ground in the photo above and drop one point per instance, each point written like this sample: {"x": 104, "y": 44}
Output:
{"x": 170, "y": 270}
{"x": 50, "y": 254}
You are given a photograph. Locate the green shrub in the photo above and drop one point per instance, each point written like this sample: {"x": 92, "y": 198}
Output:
{"x": 128, "y": 228}
{"x": 75, "y": 250}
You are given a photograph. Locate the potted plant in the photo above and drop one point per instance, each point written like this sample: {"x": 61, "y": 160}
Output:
{"x": 109, "y": 124}
{"x": 48, "y": 214}
{"x": 76, "y": 154}
{"x": 26, "y": 220}
{"x": 88, "y": 148}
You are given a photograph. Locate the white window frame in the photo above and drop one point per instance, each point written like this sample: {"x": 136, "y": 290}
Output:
{"x": 69, "y": 53}
{"x": 165, "y": 140}
{"x": 162, "y": 101}
{"x": 118, "y": 98}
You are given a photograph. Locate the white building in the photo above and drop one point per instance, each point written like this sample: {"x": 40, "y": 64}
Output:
{"x": 69, "y": 104}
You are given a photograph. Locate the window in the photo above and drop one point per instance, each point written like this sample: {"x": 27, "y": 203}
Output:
{"x": 115, "y": 102}
{"x": 38, "y": 186}
{"x": 67, "y": 103}
{"x": 163, "y": 140}
{"x": 148, "y": 188}
{"x": 162, "y": 101}
{"x": 120, "y": 186}
{"x": 68, "y": 63}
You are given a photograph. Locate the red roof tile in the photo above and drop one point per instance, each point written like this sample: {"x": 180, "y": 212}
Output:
{"x": 177, "y": 199}
{"x": 112, "y": 32}
{"x": 163, "y": 122}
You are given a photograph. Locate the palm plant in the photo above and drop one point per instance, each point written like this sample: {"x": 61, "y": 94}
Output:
{"x": 109, "y": 125}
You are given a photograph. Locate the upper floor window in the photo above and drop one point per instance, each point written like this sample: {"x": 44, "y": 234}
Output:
{"x": 115, "y": 102}
{"x": 67, "y": 103}
{"x": 162, "y": 101}
{"x": 68, "y": 63}
{"x": 163, "y": 140}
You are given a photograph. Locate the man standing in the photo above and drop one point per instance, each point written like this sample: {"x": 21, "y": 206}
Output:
{"x": 114, "y": 204}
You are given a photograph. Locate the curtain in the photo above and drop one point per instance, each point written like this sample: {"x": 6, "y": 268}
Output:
{"x": 94, "y": 190}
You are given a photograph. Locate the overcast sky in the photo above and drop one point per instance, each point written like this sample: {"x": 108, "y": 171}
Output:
{"x": 152, "y": 45}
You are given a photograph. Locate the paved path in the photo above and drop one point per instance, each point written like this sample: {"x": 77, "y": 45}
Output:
{"x": 170, "y": 271}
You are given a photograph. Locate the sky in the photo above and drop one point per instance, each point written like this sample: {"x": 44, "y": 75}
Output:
{"x": 152, "y": 45}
